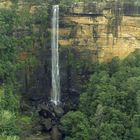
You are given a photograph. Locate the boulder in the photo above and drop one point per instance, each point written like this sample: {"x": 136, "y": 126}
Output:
{"x": 48, "y": 137}
{"x": 38, "y": 137}
{"x": 43, "y": 107}
{"x": 47, "y": 123}
{"x": 37, "y": 128}
{"x": 56, "y": 135}
{"x": 46, "y": 111}
{"x": 58, "y": 111}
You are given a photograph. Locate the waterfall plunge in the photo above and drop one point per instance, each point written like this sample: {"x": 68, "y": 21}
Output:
{"x": 55, "y": 95}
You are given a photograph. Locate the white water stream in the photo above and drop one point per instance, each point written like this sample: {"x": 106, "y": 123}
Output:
{"x": 55, "y": 95}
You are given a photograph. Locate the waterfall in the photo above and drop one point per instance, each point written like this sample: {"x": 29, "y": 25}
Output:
{"x": 55, "y": 95}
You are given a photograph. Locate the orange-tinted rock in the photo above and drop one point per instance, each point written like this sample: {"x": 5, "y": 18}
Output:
{"x": 23, "y": 56}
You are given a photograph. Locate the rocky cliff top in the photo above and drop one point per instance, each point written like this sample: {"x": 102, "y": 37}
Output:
{"x": 97, "y": 8}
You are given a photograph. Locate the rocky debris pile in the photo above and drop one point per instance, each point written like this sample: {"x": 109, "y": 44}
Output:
{"x": 46, "y": 123}
{"x": 49, "y": 122}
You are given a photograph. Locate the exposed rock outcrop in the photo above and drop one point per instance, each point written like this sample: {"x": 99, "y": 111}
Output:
{"x": 107, "y": 29}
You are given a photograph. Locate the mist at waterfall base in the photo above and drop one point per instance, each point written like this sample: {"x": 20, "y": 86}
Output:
{"x": 55, "y": 95}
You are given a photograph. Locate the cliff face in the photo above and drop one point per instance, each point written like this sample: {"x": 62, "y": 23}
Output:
{"x": 104, "y": 29}
{"x": 5, "y": 4}
{"x": 90, "y": 31}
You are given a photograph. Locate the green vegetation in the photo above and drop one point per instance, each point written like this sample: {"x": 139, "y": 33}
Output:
{"x": 65, "y": 2}
{"x": 109, "y": 107}
{"x": 80, "y": 128}
{"x": 13, "y": 47}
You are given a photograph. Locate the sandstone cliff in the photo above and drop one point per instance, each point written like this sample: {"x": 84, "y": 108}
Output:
{"x": 105, "y": 29}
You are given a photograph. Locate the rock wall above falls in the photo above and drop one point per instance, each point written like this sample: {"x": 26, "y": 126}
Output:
{"x": 5, "y": 4}
{"x": 105, "y": 29}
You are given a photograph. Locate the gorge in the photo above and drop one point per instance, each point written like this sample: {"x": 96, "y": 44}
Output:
{"x": 70, "y": 70}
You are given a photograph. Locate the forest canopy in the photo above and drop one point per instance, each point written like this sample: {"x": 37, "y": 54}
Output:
{"x": 109, "y": 107}
{"x": 109, "y": 92}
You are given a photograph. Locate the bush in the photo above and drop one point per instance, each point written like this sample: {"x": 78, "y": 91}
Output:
{"x": 75, "y": 126}
{"x": 8, "y": 123}
{"x": 110, "y": 104}
{"x": 9, "y": 137}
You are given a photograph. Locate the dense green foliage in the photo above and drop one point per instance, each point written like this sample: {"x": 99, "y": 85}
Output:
{"x": 109, "y": 108}
{"x": 9, "y": 103}
{"x": 80, "y": 128}
{"x": 109, "y": 105}
{"x": 12, "y": 44}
